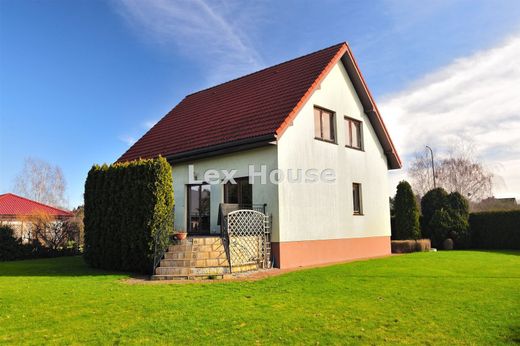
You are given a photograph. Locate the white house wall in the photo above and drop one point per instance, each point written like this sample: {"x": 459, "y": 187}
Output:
{"x": 322, "y": 211}
{"x": 240, "y": 161}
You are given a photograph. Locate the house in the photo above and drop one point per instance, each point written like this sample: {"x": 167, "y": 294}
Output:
{"x": 19, "y": 213}
{"x": 309, "y": 117}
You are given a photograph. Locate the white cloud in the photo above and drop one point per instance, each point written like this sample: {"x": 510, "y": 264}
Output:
{"x": 129, "y": 140}
{"x": 474, "y": 99}
{"x": 212, "y": 32}
{"x": 149, "y": 124}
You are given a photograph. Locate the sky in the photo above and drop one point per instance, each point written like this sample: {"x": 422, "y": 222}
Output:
{"x": 80, "y": 81}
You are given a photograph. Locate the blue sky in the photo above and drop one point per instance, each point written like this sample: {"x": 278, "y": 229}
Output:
{"x": 80, "y": 80}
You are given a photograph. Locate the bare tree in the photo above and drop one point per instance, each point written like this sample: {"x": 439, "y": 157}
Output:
{"x": 459, "y": 171}
{"x": 420, "y": 172}
{"x": 42, "y": 182}
{"x": 53, "y": 233}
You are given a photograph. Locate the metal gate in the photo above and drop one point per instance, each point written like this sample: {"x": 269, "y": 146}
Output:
{"x": 248, "y": 234}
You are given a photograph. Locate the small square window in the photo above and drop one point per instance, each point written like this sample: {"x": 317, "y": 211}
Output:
{"x": 357, "y": 199}
{"x": 324, "y": 128}
{"x": 354, "y": 135}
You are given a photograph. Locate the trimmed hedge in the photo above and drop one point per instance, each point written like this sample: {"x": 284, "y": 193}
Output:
{"x": 495, "y": 229}
{"x": 407, "y": 246}
{"x": 127, "y": 206}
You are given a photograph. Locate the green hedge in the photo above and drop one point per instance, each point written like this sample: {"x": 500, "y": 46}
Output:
{"x": 495, "y": 229}
{"x": 126, "y": 206}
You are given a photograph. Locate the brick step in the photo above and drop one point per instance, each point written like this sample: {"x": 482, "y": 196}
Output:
{"x": 179, "y": 263}
{"x": 191, "y": 271}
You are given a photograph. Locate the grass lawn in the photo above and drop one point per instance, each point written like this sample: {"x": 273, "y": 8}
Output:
{"x": 459, "y": 297}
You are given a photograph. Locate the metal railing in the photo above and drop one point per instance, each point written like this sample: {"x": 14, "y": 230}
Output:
{"x": 158, "y": 248}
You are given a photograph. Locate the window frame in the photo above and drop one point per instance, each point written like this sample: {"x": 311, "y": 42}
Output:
{"x": 348, "y": 135}
{"x": 360, "y": 199}
{"x": 240, "y": 187}
{"x": 189, "y": 229}
{"x": 333, "y": 123}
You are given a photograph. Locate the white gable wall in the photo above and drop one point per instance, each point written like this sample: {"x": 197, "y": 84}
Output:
{"x": 312, "y": 211}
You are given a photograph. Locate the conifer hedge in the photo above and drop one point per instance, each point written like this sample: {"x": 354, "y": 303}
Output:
{"x": 406, "y": 225}
{"x": 127, "y": 206}
{"x": 496, "y": 229}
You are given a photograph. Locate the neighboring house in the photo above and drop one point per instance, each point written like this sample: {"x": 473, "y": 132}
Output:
{"x": 19, "y": 213}
{"x": 311, "y": 112}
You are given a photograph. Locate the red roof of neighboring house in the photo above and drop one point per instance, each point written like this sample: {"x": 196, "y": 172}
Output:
{"x": 260, "y": 105}
{"x": 13, "y": 205}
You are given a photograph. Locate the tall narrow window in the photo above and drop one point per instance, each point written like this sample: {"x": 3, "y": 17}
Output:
{"x": 324, "y": 128}
{"x": 354, "y": 135}
{"x": 357, "y": 199}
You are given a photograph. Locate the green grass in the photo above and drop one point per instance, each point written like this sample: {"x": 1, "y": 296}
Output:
{"x": 466, "y": 297}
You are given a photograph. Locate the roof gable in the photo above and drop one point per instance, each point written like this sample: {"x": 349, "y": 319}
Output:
{"x": 13, "y": 205}
{"x": 258, "y": 106}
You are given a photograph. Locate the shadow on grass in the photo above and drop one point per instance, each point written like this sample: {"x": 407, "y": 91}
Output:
{"x": 502, "y": 252}
{"x": 59, "y": 266}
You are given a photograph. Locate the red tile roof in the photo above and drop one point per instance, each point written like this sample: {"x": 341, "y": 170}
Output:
{"x": 13, "y": 205}
{"x": 258, "y": 105}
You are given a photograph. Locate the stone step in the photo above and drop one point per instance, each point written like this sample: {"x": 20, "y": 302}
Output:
{"x": 206, "y": 240}
{"x": 200, "y": 263}
{"x": 186, "y": 255}
{"x": 196, "y": 248}
{"x": 190, "y": 277}
{"x": 191, "y": 271}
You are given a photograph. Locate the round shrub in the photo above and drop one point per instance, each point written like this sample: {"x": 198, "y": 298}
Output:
{"x": 447, "y": 244}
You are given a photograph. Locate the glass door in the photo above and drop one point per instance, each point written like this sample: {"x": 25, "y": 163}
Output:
{"x": 199, "y": 209}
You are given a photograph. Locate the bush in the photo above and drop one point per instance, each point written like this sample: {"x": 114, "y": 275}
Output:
{"x": 495, "y": 230}
{"x": 406, "y": 223}
{"x": 432, "y": 201}
{"x": 127, "y": 206}
{"x": 12, "y": 248}
{"x": 446, "y": 216}
{"x": 439, "y": 226}
{"x": 407, "y": 246}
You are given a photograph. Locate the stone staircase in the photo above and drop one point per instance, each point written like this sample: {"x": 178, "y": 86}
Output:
{"x": 197, "y": 257}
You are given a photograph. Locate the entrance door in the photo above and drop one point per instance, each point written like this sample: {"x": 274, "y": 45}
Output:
{"x": 199, "y": 209}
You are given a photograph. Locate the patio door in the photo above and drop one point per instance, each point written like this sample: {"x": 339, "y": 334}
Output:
{"x": 199, "y": 209}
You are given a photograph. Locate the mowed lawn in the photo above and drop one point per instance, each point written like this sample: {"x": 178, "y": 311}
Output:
{"x": 459, "y": 297}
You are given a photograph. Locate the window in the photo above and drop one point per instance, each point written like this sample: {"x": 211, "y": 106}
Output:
{"x": 324, "y": 128}
{"x": 354, "y": 137}
{"x": 199, "y": 208}
{"x": 357, "y": 200}
{"x": 239, "y": 193}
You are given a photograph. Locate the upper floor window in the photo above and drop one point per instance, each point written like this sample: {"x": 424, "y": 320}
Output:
{"x": 324, "y": 128}
{"x": 354, "y": 135}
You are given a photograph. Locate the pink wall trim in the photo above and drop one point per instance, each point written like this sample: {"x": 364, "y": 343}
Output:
{"x": 311, "y": 252}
